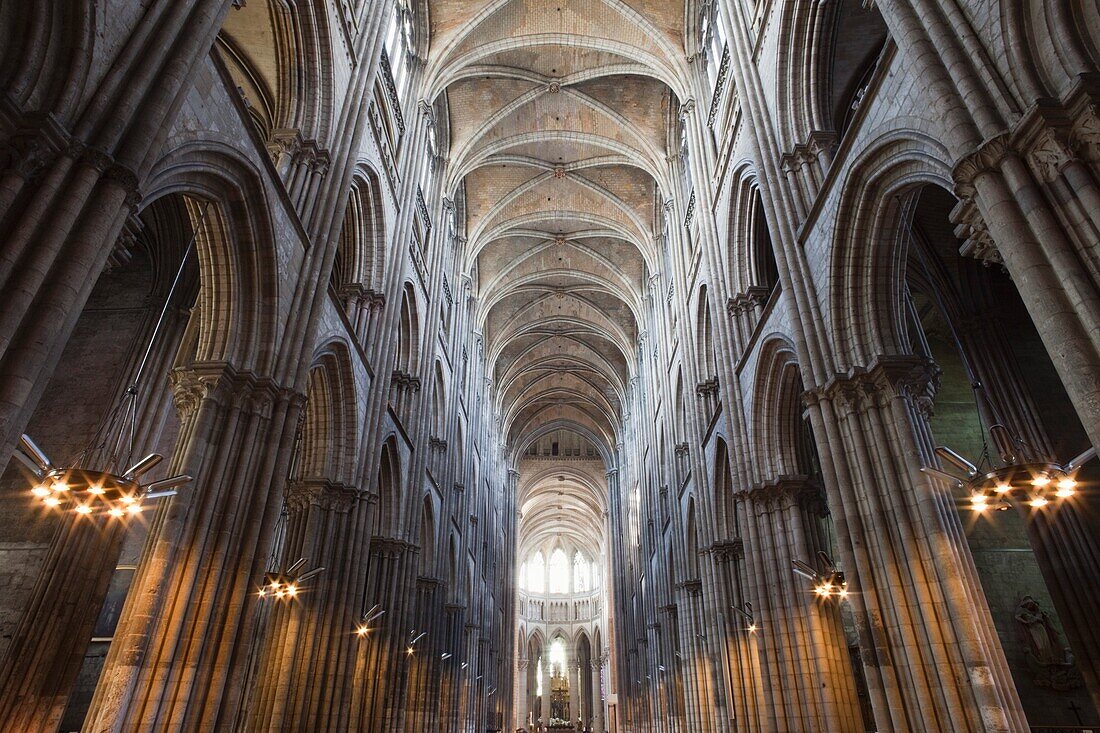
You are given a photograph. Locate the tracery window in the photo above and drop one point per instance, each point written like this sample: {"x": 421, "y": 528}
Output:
{"x": 685, "y": 157}
{"x": 713, "y": 39}
{"x": 399, "y": 46}
{"x": 536, "y": 573}
{"x": 633, "y": 515}
{"x": 582, "y": 580}
{"x": 431, "y": 152}
{"x": 557, "y": 657}
{"x": 558, "y": 574}
{"x": 716, "y": 51}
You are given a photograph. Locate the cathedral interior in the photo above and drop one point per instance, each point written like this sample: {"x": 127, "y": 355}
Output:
{"x": 607, "y": 366}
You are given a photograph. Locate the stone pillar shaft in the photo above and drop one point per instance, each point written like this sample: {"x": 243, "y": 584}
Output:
{"x": 48, "y": 647}
{"x": 209, "y": 543}
{"x": 308, "y": 640}
{"x": 72, "y": 211}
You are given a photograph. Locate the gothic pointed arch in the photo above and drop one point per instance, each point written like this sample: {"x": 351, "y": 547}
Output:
{"x": 280, "y": 56}
{"x": 360, "y": 259}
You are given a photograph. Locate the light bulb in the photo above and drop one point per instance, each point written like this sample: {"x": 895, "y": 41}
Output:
{"x": 95, "y": 489}
{"x": 59, "y": 485}
{"x": 127, "y": 499}
{"x": 40, "y": 491}
{"x": 292, "y": 590}
{"x": 409, "y": 650}
{"x": 1038, "y": 502}
{"x": 83, "y": 509}
{"x": 262, "y": 592}
{"x": 1040, "y": 481}
{"x": 752, "y": 628}
{"x": 51, "y": 501}
{"x": 1002, "y": 488}
{"x": 1066, "y": 487}
{"x": 362, "y": 631}
{"x": 978, "y": 502}
{"x": 116, "y": 512}
{"x": 134, "y": 508}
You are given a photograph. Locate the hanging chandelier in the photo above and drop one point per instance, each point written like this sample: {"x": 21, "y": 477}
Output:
{"x": 827, "y": 585}
{"x": 104, "y": 479}
{"x": 94, "y": 492}
{"x": 1018, "y": 480}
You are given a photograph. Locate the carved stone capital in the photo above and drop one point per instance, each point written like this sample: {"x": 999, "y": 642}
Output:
{"x": 693, "y": 588}
{"x": 912, "y": 378}
{"x": 427, "y": 584}
{"x": 390, "y": 547}
{"x": 284, "y": 141}
{"x": 753, "y": 298}
{"x": 707, "y": 387}
{"x": 404, "y": 380}
{"x": 222, "y": 383}
{"x": 987, "y": 157}
{"x": 30, "y": 148}
{"x": 726, "y": 550}
{"x": 971, "y": 228}
{"x": 301, "y": 494}
{"x": 784, "y": 492}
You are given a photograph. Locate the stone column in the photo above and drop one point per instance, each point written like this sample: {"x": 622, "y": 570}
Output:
{"x": 942, "y": 671}
{"x": 1068, "y": 553}
{"x": 520, "y": 691}
{"x": 71, "y": 190}
{"x": 181, "y": 648}
{"x": 544, "y": 713}
{"x": 813, "y": 686}
{"x": 597, "y": 698}
{"x": 48, "y": 647}
{"x": 575, "y": 696}
{"x": 309, "y": 638}
{"x": 376, "y": 649}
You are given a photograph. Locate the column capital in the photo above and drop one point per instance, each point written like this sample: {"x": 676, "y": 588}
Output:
{"x": 225, "y": 385}
{"x": 914, "y": 378}
{"x": 303, "y": 493}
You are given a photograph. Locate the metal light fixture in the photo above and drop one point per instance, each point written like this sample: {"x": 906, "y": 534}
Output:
{"x": 94, "y": 492}
{"x": 285, "y": 585}
{"x": 415, "y": 638}
{"x": 745, "y": 611}
{"x": 364, "y": 623}
{"x": 95, "y": 482}
{"x": 830, "y": 584}
{"x": 1034, "y": 482}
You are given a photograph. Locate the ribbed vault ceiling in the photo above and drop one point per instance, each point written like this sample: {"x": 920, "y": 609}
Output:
{"x": 559, "y": 135}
